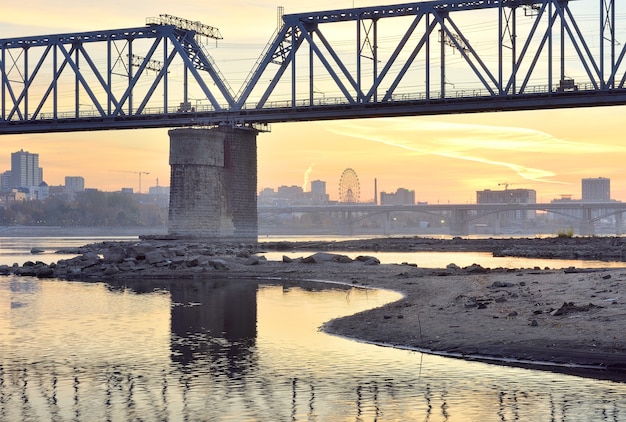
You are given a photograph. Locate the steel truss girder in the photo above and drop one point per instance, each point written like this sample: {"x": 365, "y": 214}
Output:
{"x": 551, "y": 20}
{"x": 71, "y": 56}
{"x": 551, "y": 48}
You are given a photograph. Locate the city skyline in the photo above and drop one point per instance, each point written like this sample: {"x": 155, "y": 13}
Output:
{"x": 442, "y": 158}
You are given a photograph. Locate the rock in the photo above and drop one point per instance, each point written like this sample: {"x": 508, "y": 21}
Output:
{"x": 569, "y": 307}
{"x": 114, "y": 255}
{"x": 475, "y": 268}
{"x": 154, "y": 257}
{"x": 497, "y": 284}
{"x": 534, "y": 323}
{"x": 253, "y": 260}
{"x": 45, "y": 272}
{"x": 453, "y": 267}
{"x": 36, "y": 250}
{"x": 218, "y": 264}
{"x": 344, "y": 259}
{"x": 373, "y": 261}
{"x": 111, "y": 270}
{"x": 323, "y": 257}
{"x": 287, "y": 260}
{"x": 192, "y": 261}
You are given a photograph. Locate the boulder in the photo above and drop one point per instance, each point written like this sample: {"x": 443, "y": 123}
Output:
{"x": 154, "y": 257}
{"x": 114, "y": 255}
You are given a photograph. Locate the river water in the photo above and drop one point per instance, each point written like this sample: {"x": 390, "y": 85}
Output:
{"x": 243, "y": 350}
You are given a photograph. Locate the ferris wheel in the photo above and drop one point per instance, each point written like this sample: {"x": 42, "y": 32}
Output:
{"x": 349, "y": 189}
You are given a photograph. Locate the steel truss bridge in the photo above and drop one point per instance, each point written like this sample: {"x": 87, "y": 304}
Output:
{"x": 460, "y": 216}
{"x": 424, "y": 58}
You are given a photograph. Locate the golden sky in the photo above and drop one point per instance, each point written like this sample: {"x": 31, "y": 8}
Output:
{"x": 443, "y": 158}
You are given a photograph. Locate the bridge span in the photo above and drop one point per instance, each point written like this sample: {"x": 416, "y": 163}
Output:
{"x": 419, "y": 58}
{"x": 459, "y": 217}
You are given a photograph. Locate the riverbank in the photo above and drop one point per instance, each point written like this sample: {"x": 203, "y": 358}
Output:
{"x": 562, "y": 319}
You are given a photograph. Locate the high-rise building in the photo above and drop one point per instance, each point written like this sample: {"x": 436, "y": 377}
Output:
{"x": 318, "y": 187}
{"x": 596, "y": 189}
{"x": 25, "y": 170}
{"x": 5, "y": 181}
{"x": 74, "y": 184}
{"x": 318, "y": 192}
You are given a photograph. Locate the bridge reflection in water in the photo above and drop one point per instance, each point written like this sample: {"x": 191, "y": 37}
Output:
{"x": 241, "y": 350}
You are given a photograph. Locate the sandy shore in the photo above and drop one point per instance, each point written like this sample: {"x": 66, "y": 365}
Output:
{"x": 569, "y": 320}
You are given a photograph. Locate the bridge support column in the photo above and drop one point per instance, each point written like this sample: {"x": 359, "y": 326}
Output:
{"x": 586, "y": 223}
{"x": 458, "y": 223}
{"x": 618, "y": 224}
{"x": 213, "y": 184}
{"x": 345, "y": 226}
{"x": 386, "y": 217}
{"x": 496, "y": 225}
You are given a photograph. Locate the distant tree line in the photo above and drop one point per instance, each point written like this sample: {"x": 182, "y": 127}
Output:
{"x": 87, "y": 209}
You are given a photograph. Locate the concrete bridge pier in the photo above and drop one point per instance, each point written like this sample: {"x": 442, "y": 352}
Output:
{"x": 496, "y": 225}
{"x": 586, "y": 223}
{"x": 386, "y": 223}
{"x": 345, "y": 224}
{"x": 459, "y": 226}
{"x": 213, "y": 184}
{"x": 618, "y": 224}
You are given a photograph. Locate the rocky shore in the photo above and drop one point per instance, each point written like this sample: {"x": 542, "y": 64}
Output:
{"x": 561, "y": 319}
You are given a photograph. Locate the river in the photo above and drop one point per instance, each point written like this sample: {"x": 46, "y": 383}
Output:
{"x": 243, "y": 350}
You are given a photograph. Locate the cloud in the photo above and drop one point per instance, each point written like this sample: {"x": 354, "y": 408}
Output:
{"x": 469, "y": 142}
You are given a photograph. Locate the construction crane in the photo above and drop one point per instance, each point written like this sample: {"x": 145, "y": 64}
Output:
{"x": 139, "y": 173}
{"x": 506, "y": 185}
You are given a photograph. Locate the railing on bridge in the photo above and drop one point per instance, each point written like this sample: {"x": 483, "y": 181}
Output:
{"x": 411, "y": 59}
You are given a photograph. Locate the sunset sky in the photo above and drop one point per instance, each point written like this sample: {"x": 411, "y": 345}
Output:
{"x": 443, "y": 158}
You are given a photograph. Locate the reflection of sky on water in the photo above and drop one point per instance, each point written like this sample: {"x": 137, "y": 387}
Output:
{"x": 462, "y": 259}
{"x": 236, "y": 350}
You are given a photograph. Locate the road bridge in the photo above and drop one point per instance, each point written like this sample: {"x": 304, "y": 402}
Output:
{"x": 459, "y": 217}
{"x": 419, "y": 58}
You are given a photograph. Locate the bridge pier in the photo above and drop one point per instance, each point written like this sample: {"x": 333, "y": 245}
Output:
{"x": 586, "y": 223}
{"x": 386, "y": 223}
{"x": 496, "y": 225}
{"x": 345, "y": 224}
{"x": 618, "y": 224}
{"x": 213, "y": 184}
{"x": 458, "y": 222}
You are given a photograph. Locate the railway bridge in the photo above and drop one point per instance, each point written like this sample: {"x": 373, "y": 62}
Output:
{"x": 411, "y": 59}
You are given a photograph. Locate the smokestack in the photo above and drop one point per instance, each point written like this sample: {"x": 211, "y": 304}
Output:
{"x": 375, "y": 191}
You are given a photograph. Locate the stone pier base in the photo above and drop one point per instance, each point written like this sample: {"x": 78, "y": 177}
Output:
{"x": 213, "y": 184}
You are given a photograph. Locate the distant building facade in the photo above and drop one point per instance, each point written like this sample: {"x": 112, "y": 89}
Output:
{"x": 5, "y": 181}
{"x": 402, "y": 196}
{"x": 74, "y": 184}
{"x": 25, "y": 170}
{"x": 318, "y": 193}
{"x": 510, "y": 196}
{"x": 596, "y": 189}
{"x": 294, "y": 195}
